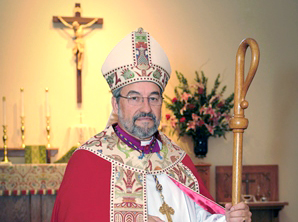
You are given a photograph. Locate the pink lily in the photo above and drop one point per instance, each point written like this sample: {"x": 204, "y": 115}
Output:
{"x": 198, "y": 85}
{"x": 210, "y": 111}
{"x": 210, "y": 128}
{"x": 203, "y": 109}
{"x": 214, "y": 98}
{"x": 227, "y": 117}
{"x": 197, "y": 121}
{"x": 183, "y": 108}
{"x": 195, "y": 117}
{"x": 191, "y": 125}
{"x": 185, "y": 96}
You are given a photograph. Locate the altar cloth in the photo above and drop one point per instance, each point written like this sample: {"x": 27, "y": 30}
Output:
{"x": 25, "y": 179}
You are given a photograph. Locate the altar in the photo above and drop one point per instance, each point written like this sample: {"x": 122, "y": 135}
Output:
{"x": 28, "y": 191}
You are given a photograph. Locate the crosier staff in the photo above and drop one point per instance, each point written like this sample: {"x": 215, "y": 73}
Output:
{"x": 238, "y": 122}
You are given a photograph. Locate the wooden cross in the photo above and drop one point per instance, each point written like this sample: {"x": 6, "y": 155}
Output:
{"x": 78, "y": 23}
{"x": 247, "y": 181}
{"x": 167, "y": 210}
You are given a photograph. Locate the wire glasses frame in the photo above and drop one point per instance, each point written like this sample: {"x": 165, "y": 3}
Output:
{"x": 139, "y": 100}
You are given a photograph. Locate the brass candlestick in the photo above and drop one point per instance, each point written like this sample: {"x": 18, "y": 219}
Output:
{"x": 48, "y": 128}
{"x": 5, "y": 158}
{"x": 23, "y": 131}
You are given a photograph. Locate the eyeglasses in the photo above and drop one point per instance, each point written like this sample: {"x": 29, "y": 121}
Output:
{"x": 139, "y": 100}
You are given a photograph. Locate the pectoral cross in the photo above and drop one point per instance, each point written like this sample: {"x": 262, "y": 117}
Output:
{"x": 78, "y": 23}
{"x": 167, "y": 210}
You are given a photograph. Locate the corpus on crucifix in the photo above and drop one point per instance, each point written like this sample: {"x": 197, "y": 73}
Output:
{"x": 78, "y": 49}
{"x": 78, "y": 24}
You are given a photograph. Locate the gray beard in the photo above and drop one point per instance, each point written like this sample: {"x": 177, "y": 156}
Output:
{"x": 141, "y": 132}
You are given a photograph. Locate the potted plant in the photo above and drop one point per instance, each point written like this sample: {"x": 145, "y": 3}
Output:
{"x": 198, "y": 113}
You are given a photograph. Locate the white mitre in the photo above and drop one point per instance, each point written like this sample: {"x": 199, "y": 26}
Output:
{"x": 136, "y": 58}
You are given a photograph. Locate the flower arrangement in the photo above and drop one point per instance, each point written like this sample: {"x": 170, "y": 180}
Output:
{"x": 197, "y": 113}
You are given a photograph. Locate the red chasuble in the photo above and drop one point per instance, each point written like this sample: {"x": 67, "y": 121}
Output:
{"x": 105, "y": 180}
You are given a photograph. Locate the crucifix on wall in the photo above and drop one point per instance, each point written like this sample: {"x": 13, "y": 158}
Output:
{"x": 78, "y": 24}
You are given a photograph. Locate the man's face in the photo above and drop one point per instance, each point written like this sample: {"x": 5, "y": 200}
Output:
{"x": 140, "y": 121}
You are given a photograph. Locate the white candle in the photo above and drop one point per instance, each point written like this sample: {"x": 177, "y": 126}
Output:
{"x": 47, "y": 103}
{"x": 4, "y": 111}
{"x": 22, "y": 103}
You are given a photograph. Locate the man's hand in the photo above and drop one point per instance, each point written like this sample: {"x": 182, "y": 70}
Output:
{"x": 238, "y": 213}
{"x": 154, "y": 219}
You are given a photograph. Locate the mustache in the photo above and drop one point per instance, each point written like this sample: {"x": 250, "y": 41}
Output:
{"x": 142, "y": 114}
